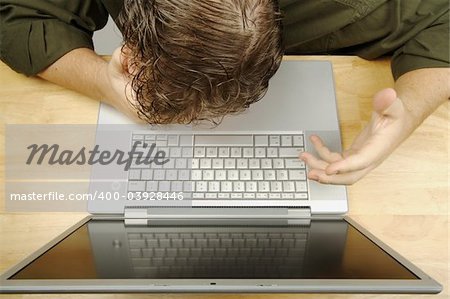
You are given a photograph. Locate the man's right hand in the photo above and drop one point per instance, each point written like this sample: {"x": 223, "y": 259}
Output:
{"x": 116, "y": 87}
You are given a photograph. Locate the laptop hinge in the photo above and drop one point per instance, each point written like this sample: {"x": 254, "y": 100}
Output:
{"x": 141, "y": 215}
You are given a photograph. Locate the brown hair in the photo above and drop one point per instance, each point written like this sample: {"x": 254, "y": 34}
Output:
{"x": 200, "y": 59}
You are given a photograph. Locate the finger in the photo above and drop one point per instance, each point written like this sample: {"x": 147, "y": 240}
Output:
{"x": 313, "y": 162}
{"x": 337, "y": 179}
{"x": 359, "y": 141}
{"x": 323, "y": 151}
{"x": 383, "y": 100}
{"x": 355, "y": 161}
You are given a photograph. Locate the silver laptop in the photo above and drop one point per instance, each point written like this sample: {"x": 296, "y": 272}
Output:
{"x": 225, "y": 208}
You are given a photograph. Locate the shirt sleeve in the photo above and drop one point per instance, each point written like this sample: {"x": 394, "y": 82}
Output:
{"x": 428, "y": 49}
{"x": 34, "y": 34}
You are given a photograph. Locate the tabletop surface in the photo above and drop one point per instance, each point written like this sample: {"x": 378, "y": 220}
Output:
{"x": 404, "y": 202}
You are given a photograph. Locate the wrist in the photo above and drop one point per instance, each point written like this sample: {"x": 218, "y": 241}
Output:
{"x": 102, "y": 81}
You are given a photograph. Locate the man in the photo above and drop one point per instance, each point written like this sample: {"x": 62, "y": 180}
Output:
{"x": 188, "y": 60}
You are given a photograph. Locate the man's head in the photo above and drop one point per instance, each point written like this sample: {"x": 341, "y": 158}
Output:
{"x": 195, "y": 59}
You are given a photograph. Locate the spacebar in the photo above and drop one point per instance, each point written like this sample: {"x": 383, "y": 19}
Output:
{"x": 217, "y": 140}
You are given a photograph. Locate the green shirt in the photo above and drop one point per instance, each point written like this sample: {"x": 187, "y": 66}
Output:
{"x": 35, "y": 33}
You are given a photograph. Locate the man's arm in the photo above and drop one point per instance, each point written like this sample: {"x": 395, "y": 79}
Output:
{"x": 84, "y": 71}
{"x": 397, "y": 113}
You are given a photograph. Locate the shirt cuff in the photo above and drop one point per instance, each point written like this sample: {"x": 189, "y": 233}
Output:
{"x": 402, "y": 64}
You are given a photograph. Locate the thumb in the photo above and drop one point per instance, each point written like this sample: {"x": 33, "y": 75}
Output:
{"x": 386, "y": 103}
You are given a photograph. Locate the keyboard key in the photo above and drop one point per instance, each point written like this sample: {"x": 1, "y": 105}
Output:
{"x": 226, "y": 186}
{"x": 201, "y": 186}
{"x": 169, "y": 164}
{"x": 195, "y": 163}
{"x": 261, "y": 140}
{"x": 272, "y": 152}
{"x": 223, "y": 195}
{"x": 269, "y": 175}
{"x": 297, "y": 175}
{"x": 289, "y": 152}
{"x": 294, "y": 163}
{"x": 218, "y": 140}
{"x": 134, "y": 174}
{"x": 208, "y": 175}
{"x": 238, "y": 186}
{"x": 254, "y": 164}
{"x": 263, "y": 187}
{"x": 221, "y": 175}
{"x": 160, "y": 143}
{"x": 251, "y": 187}
{"x": 286, "y": 140}
{"x": 186, "y": 140}
{"x": 298, "y": 140}
{"x": 181, "y": 163}
{"x": 205, "y": 163}
{"x": 214, "y": 186}
{"x": 282, "y": 175}
{"x": 245, "y": 175}
{"x": 184, "y": 175}
{"x": 274, "y": 195}
{"x": 150, "y": 137}
{"x": 275, "y": 186}
{"x": 172, "y": 140}
{"x": 242, "y": 163}
{"x": 274, "y": 140}
{"x": 300, "y": 187}
{"x": 266, "y": 163}
{"x": 248, "y": 152}
{"x": 235, "y": 152}
{"x": 136, "y": 186}
{"x": 262, "y": 195}
{"x": 257, "y": 175}
{"x": 230, "y": 163}
{"x": 177, "y": 186}
{"x": 161, "y": 137}
{"x": 152, "y": 186}
{"x": 210, "y": 195}
{"x": 196, "y": 175}
{"x": 188, "y": 186}
{"x": 159, "y": 174}
{"x": 301, "y": 195}
{"x": 249, "y": 195}
{"x": 217, "y": 163}
{"x": 287, "y": 195}
{"x": 164, "y": 186}
{"x": 198, "y": 195}
{"x": 236, "y": 195}
{"x": 260, "y": 152}
{"x": 187, "y": 152}
{"x": 171, "y": 175}
{"x": 233, "y": 175}
{"x": 199, "y": 152}
{"x": 211, "y": 152}
{"x": 175, "y": 152}
{"x": 278, "y": 163}
{"x": 288, "y": 186}
{"x": 147, "y": 174}
{"x": 224, "y": 152}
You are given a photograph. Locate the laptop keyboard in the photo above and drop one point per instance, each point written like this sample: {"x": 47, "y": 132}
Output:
{"x": 218, "y": 253}
{"x": 204, "y": 166}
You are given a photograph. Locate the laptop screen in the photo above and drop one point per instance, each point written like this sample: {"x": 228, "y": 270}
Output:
{"x": 320, "y": 249}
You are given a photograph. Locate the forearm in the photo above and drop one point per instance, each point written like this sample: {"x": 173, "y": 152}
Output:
{"x": 422, "y": 92}
{"x": 81, "y": 70}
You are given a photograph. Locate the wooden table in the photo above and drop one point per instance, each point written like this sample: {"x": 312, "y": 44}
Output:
{"x": 404, "y": 201}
